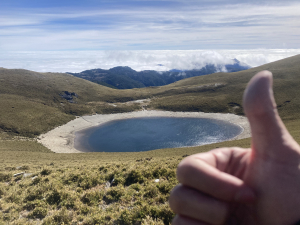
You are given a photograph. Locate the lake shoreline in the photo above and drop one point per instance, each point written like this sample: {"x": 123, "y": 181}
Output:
{"x": 62, "y": 138}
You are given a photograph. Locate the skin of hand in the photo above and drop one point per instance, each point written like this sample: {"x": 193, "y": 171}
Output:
{"x": 257, "y": 186}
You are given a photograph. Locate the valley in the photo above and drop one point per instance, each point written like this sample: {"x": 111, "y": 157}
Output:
{"x": 110, "y": 188}
{"x": 127, "y": 78}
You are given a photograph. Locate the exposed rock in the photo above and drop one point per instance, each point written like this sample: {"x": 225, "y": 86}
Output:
{"x": 24, "y": 174}
{"x": 33, "y": 178}
{"x": 18, "y": 174}
{"x": 27, "y": 174}
{"x": 69, "y": 96}
{"x": 107, "y": 184}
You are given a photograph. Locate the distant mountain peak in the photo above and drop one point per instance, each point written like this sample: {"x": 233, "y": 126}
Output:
{"x": 124, "y": 77}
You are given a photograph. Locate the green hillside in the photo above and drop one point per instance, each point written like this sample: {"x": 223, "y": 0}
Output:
{"x": 223, "y": 92}
{"x": 34, "y": 98}
{"x": 31, "y": 102}
{"x": 109, "y": 188}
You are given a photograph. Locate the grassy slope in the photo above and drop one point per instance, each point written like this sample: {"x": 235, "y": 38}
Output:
{"x": 71, "y": 187}
{"x": 30, "y": 98}
{"x": 225, "y": 97}
{"x": 31, "y": 103}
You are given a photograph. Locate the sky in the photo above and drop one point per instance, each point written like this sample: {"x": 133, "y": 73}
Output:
{"x": 38, "y": 29}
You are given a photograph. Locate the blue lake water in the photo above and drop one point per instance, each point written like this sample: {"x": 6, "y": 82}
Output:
{"x": 149, "y": 133}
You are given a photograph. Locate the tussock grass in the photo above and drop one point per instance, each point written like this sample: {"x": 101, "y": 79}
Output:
{"x": 109, "y": 188}
{"x": 114, "y": 193}
{"x": 31, "y": 102}
{"x": 226, "y": 97}
{"x": 22, "y": 116}
{"x": 36, "y": 96}
{"x": 89, "y": 188}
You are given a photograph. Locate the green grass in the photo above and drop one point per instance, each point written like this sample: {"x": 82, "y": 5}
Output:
{"x": 71, "y": 188}
{"x": 185, "y": 96}
{"x": 32, "y": 104}
{"x": 22, "y": 116}
{"x": 122, "y": 193}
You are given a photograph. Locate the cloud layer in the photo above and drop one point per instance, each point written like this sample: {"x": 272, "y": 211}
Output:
{"x": 160, "y": 60}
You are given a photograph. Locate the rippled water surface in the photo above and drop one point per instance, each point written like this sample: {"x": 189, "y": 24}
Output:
{"x": 143, "y": 134}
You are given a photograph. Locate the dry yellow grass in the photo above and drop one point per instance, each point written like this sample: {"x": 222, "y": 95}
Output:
{"x": 71, "y": 188}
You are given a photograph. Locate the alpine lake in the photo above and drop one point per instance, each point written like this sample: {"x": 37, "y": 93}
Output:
{"x": 149, "y": 133}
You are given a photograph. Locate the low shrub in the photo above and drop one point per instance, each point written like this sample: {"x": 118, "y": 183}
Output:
{"x": 63, "y": 216}
{"x": 92, "y": 197}
{"x": 36, "y": 180}
{"x": 38, "y": 213}
{"x": 2, "y": 191}
{"x": 25, "y": 167}
{"x": 152, "y": 221}
{"x": 69, "y": 200}
{"x": 136, "y": 187}
{"x": 29, "y": 206}
{"x": 34, "y": 194}
{"x": 5, "y": 177}
{"x": 53, "y": 197}
{"x": 46, "y": 172}
{"x": 80, "y": 194}
{"x": 134, "y": 176}
{"x": 165, "y": 187}
{"x": 114, "y": 194}
{"x": 151, "y": 191}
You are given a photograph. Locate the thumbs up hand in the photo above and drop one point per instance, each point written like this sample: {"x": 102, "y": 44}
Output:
{"x": 257, "y": 186}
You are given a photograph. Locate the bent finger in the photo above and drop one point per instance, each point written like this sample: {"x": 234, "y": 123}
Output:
{"x": 180, "y": 220}
{"x": 207, "y": 173}
{"x": 193, "y": 204}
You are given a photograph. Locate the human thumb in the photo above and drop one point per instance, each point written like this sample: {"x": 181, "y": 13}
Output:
{"x": 270, "y": 137}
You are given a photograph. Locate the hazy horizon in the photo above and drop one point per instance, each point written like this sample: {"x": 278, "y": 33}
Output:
{"x": 160, "y": 60}
{"x": 72, "y": 36}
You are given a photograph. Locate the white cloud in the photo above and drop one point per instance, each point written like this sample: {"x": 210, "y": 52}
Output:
{"x": 160, "y": 60}
{"x": 190, "y": 25}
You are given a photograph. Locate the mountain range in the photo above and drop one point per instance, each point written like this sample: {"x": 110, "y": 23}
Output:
{"x": 33, "y": 103}
{"x": 126, "y": 78}
{"x": 38, "y": 186}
